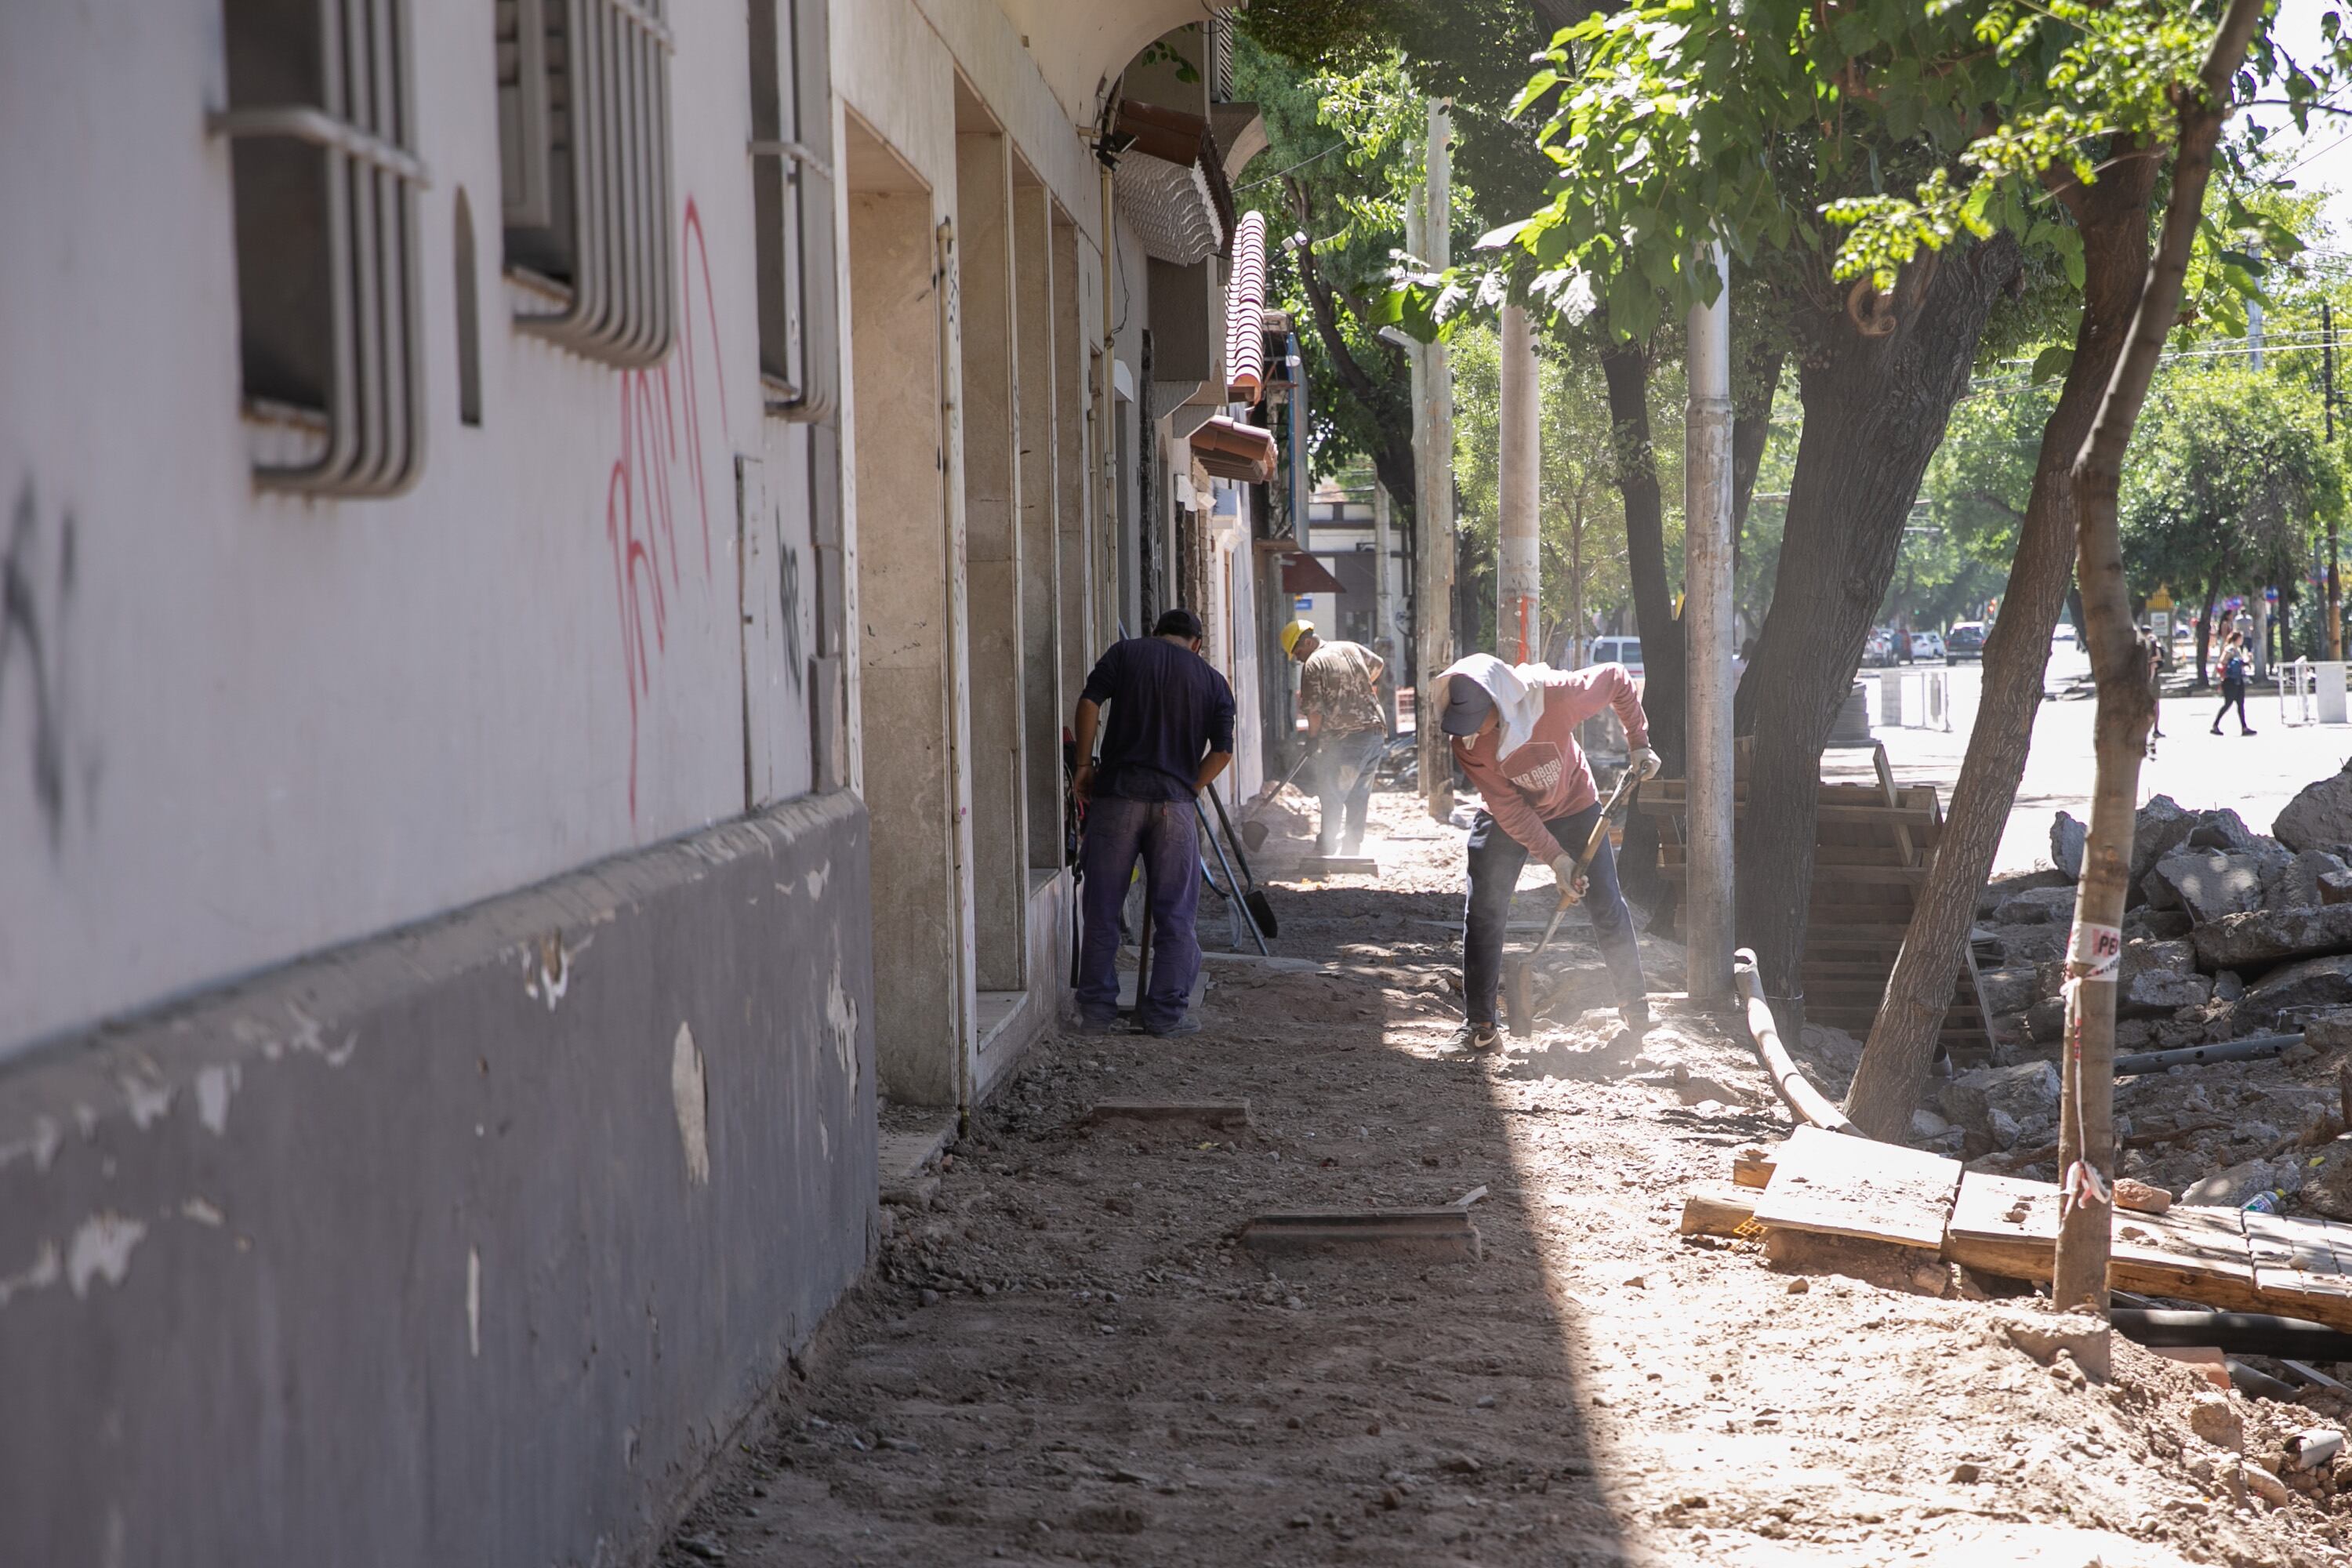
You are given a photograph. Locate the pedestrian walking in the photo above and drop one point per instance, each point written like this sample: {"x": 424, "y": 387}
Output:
{"x": 1339, "y": 696}
{"x": 1513, "y": 732}
{"x": 2233, "y": 684}
{"x": 2154, "y": 653}
{"x": 1170, "y": 731}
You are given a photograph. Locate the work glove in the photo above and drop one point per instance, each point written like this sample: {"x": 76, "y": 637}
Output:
{"x": 1645, "y": 763}
{"x": 1564, "y": 872}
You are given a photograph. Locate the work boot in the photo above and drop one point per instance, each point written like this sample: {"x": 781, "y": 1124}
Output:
{"x": 1097, "y": 1024}
{"x": 1185, "y": 1026}
{"x": 1477, "y": 1039}
{"x": 1635, "y": 1015}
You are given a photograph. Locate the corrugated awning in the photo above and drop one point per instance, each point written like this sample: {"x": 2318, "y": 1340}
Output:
{"x": 1245, "y": 311}
{"x": 1231, "y": 451}
{"x": 1170, "y": 184}
{"x": 1304, "y": 574}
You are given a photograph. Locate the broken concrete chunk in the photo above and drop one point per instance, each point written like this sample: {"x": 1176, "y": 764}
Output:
{"x": 2229, "y": 1189}
{"x": 2221, "y": 829}
{"x": 2228, "y": 986}
{"x": 2259, "y": 937}
{"x": 2328, "y": 1031}
{"x": 2215, "y": 1419}
{"x": 2320, "y": 817}
{"x": 2208, "y": 883}
{"x": 2036, "y": 906}
{"x": 2327, "y": 1181}
{"x": 2335, "y": 886}
{"x": 2158, "y": 828}
{"x": 1995, "y": 1100}
{"x": 2293, "y": 882}
{"x": 2159, "y": 994}
{"x": 2068, "y": 838}
{"x": 2045, "y": 1335}
{"x": 2008, "y": 990}
{"x": 2046, "y": 1020}
{"x": 2313, "y": 982}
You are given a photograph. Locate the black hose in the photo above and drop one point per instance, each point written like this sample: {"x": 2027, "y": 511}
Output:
{"x": 2233, "y": 1333}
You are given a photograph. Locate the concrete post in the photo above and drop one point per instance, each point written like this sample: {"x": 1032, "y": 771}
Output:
{"x": 1706, "y": 621}
{"x": 1432, "y": 464}
{"x": 1384, "y": 631}
{"x": 1518, "y": 575}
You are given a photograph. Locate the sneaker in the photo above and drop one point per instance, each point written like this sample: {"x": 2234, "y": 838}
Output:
{"x": 1097, "y": 1024}
{"x": 1168, "y": 1031}
{"x": 1478, "y": 1038}
{"x": 2249, "y": 732}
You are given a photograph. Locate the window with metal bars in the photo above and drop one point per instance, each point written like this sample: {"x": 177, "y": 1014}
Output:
{"x": 584, "y": 152}
{"x": 319, "y": 129}
{"x": 791, "y": 207}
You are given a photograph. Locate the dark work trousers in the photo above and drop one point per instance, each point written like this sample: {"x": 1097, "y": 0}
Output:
{"x": 2233, "y": 695}
{"x": 1161, "y": 834}
{"x": 1344, "y": 767}
{"x": 1496, "y": 860}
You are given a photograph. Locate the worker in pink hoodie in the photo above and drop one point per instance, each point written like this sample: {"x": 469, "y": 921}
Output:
{"x": 1513, "y": 732}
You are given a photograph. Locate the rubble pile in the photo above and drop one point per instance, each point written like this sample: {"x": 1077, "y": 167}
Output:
{"x": 2228, "y": 933}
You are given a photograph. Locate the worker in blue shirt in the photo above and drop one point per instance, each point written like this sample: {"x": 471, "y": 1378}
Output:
{"x": 1170, "y": 731}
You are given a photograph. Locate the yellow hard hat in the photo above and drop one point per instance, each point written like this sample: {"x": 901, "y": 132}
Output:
{"x": 1293, "y": 631}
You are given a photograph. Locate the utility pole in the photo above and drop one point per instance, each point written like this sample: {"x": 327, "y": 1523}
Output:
{"x": 1433, "y": 465}
{"x": 1519, "y": 573}
{"x": 1706, "y": 629}
{"x": 2327, "y": 402}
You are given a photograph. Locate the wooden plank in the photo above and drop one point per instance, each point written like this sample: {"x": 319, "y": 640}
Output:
{"x": 2303, "y": 1246}
{"x": 1209, "y": 1113}
{"x": 1830, "y": 1184}
{"x": 1718, "y": 1211}
{"x": 1440, "y": 1232}
{"x": 2196, "y": 1253}
{"x": 2004, "y": 1225}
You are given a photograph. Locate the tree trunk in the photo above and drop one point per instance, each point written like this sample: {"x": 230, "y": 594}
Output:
{"x": 2204, "y": 631}
{"x": 1875, "y": 409}
{"x": 2112, "y": 218}
{"x": 2087, "y": 1153}
{"x": 1625, "y": 369}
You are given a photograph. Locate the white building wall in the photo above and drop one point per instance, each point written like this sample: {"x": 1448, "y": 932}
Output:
{"x": 284, "y": 722}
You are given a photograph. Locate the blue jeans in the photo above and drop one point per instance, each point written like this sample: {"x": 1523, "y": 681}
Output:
{"x": 1496, "y": 860}
{"x": 1344, "y": 769}
{"x": 1161, "y": 835}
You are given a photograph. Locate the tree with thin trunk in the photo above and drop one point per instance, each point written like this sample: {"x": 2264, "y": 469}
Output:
{"x": 2086, "y": 1152}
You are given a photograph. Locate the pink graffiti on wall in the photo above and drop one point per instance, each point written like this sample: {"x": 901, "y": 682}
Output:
{"x": 661, "y": 434}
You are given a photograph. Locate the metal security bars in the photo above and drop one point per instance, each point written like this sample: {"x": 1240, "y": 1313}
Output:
{"x": 792, "y": 207}
{"x": 584, "y": 145}
{"x": 319, "y": 125}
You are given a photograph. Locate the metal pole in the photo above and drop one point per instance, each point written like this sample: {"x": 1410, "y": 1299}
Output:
{"x": 1518, "y": 566}
{"x": 1432, "y": 463}
{"x": 1706, "y": 623}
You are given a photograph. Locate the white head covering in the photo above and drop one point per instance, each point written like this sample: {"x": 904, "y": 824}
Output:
{"x": 1516, "y": 697}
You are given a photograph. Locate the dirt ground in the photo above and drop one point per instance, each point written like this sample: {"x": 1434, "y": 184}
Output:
{"x": 1061, "y": 1356}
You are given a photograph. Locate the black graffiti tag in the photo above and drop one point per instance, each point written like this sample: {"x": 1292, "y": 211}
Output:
{"x": 34, "y": 607}
{"x": 789, "y": 568}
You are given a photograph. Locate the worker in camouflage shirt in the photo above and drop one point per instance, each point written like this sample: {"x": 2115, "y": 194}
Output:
{"x": 1339, "y": 694}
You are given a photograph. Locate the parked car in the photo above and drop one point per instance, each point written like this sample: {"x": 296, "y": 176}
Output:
{"x": 1927, "y": 645}
{"x": 2063, "y": 635}
{"x": 1879, "y": 648}
{"x": 1964, "y": 640}
{"x": 1626, "y": 651}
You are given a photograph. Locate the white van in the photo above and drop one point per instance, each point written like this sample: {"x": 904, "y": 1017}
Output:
{"x": 1626, "y": 651}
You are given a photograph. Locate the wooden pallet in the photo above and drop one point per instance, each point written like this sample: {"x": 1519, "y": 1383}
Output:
{"x": 1872, "y": 845}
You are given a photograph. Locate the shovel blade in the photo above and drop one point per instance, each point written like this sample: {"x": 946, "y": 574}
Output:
{"x": 1519, "y": 1007}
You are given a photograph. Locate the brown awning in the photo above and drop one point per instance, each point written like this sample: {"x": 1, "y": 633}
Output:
{"x": 1231, "y": 451}
{"x": 1304, "y": 574}
{"x": 1171, "y": 184}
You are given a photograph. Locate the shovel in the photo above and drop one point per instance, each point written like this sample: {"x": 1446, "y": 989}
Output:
{"x": 1519, "y": 1007}
{"x": 1261, "y": 909}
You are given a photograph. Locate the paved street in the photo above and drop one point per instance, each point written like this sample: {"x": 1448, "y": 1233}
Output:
{"x": 2256, "y": 775}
